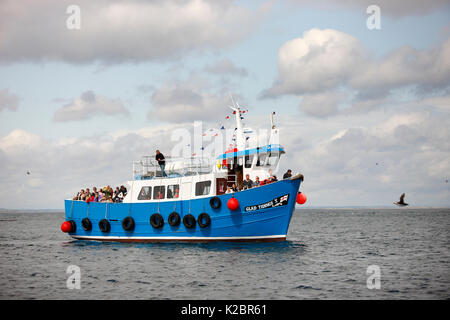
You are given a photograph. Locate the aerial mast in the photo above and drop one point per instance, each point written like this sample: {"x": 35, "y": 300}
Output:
{"x": 240, "y": 138}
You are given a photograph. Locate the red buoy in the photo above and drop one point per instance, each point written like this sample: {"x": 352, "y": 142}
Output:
{"x": 301, "y": 198}
{"x": 66, "y": 226}
{"x": 233, "y": 204}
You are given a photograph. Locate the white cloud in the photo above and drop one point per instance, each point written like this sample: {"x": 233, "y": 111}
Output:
{"x": 319, "y": 60}
{"x": 322, "y": 62}
{"x": 321, "y": 104}
{"x": 425, "y": 69}
{"x": 441, "y": 103}
{"x": 8, "y": 100}
{"x": 120, "y": 31}
{"x": 89, "y": 105}
{"x": 19, "y": 139}
{"x": 388, "y": 7}
{"x": 327, "y": 59}
{"x": 59, "y": 167}
{"x": 226, "y": 67}
{"x": 358, "y": 161}
{"x": 190, "y": 100}
{"x": 373, "y": 165}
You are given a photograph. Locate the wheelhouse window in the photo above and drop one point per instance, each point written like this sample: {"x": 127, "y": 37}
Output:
{"x": 145, "y": 193}
{"x": 272, "y": 160}
{"x": 248, "y": 161}
{"x": 261, "y": 159}
{"x": 173, "y": 191}
{"x": 202, "y": 188}
{"x": 159, "y": 192}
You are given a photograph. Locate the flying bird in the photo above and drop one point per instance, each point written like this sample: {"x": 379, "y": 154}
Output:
{"x": 401, "y": 203}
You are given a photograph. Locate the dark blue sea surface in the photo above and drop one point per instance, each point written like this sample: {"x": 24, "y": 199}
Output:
{"x": 326, "y": 256}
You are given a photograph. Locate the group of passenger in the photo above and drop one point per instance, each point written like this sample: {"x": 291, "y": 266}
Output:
{"x": 248, "y": 183}
{"x": 106, "y": 194}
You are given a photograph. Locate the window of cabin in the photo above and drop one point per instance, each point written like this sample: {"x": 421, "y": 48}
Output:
{"x": 202, "y": 188}
{"x": 261, "y": 159}
{"x": 248, "y": 161}
{"x": 173, "y": 191}
{"x": 272, "y": 159}
{"x": 145, "y": 193}
{"x": 159, "y": 192}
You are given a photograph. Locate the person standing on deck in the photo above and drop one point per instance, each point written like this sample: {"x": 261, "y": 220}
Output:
{"x": 162, "y": 163}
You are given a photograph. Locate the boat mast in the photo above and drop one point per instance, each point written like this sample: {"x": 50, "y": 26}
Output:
{"x": 240, "y": 138}
{"x": 274, "y": 131}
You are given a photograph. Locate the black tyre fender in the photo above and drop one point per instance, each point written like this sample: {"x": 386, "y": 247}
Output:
{"x": 157, "y": 221}
{"x": 203, "y": 220}
{"x": 73, "y": 226}
{"x": 104, "y": 225}
{"x": 86, "y": 224}
{"x": 128, "y": 224}
{"x": 189, "y": 221}
{"x": 174, "y": 219}
{"x": 215, "y": 202}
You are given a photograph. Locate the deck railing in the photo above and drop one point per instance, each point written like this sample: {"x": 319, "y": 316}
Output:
{"x": 148, "y": 167}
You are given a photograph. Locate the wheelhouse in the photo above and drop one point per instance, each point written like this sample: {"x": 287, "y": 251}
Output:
{"x": 257, "y": 162}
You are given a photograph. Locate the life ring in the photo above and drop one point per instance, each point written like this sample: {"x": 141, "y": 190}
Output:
{"x": 128, "y": 224}
{"x": 157, "y": 221}
{"x": 174, "y": 219}
{"x": 86, "y": 224}
{"x": 204, "y": 217}
{"x": 189, "y": 221}
{"x": 104, "y": 225}
{"x": 215, "y": 202}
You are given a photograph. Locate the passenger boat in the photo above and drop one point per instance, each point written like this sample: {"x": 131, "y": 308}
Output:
{"x": 190, "y": 203}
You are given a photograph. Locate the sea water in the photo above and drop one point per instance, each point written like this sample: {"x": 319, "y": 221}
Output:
{"x": 329, "y": 254}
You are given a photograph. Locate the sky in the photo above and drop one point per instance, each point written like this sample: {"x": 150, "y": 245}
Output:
{"x": 362, "y": 100}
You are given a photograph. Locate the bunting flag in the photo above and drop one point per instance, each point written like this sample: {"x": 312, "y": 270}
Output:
{"x": 213, "y": 132}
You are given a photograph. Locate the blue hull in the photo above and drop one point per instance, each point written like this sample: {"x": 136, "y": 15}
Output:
{"x": 260, "y": 217}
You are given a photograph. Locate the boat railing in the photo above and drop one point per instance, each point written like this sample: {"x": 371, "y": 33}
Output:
{"x": 148, "y": 167}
